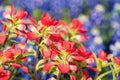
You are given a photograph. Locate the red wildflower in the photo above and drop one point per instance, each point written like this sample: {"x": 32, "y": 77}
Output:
{"x": 102, "y": 55}
{"x": 4, "y": 28}
{"x": 47, "y": 20}
{"x": 10, "y": 54}
{"x": 11, "y": 17}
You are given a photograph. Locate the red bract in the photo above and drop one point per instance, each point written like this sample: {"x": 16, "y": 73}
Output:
{"x": 25, "y": 69}
{"x": 82, "y": 37}
{"x": 81, "y": 55}
{"x": 18, "y": 17}
{"x": 72, "y": 77}
{"x": 47, "y": 20}
{"x": 5, "y": 75}
{"x": 73, "y": 67}
{"x": 1, "y": 69}
{"x": 21, "y": 14}
{"x": 15, "y": 65}
{"x": 76, "y": 24}
{"x": 32, "y": 36}
{"x": 4, "y": 28}
{"x": 46, "y": 52}
{"x": 85, "y": 74}
{"x": 11, "y": 54}
{"x": 2, "y": 38}
{"x": 82, "y": 50}
{"x": 56, "y": 37}
{"x": 68, "y": 46}
{"x": 117, "y": 60}
{"x": 102, "y": 55}
{"x": 63, "y": 68}
{"x": 47, "y": 66}
{"x": 92, "y": 68}
{"x": 78, "y": 58}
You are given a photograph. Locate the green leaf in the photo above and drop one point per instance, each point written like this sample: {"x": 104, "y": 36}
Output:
{"x": 99, "y": 65}
{"x": 12, "y": 35}
{"x": 25, "y": 55}
{"x": 39, "y": 64}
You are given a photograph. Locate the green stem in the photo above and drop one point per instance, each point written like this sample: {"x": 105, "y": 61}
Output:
{"x": 12, "y": 74}
{"x": 108, "y": 64}
{"x": 96, "y": 76}
{"x": 113, "y": 73}
{"x": 35, "y": 62}
{"x": 102, "y": 75}
{"x": 58, "y": 77}
{"x": 5, "y": 40}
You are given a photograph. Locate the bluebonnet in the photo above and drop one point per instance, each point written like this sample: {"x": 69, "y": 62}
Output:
{"x": 28, "y": 5}
{"x": 97, "y": 15}
{"x": 115, "y": 23}
{"x": 1, "y": 2}
{"x": 2, "y": 9}
{"x": 95, "y": 42}
{"x": 92, "y": 3}
{"x": 54, "y": 7}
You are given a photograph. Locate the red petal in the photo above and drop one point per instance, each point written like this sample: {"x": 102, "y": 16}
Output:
{"x": 25, "y": 69}
{"x": 63, "y": 68}
{"x": 89, "y": 78}
{"x": 46, "y": 19}
{"x": 86, "y": 74}
{"x": 2, "y": 38}
{"x": 47, "y": 66}
{"x": 1, "y": 69}
{"x": 21, "y": 14}
{"x": 73, "y": 68}
{"x": 33, "y": 20}
{"x": 32, "y": 36}
{"x": 92, "y": 68}
{"x": 4, "y": 28}
{"x": 78, "y": 58}
{"x": 76, "y": 24}
{"x": 117, "y": 60}
{"x": 15, "y": 65}
{"x": 46, "y": 52}
{"x": 82, "y": 50}
{"x": 12, "y": 10}
{"x": 5, "y": 75}
{"x": 102, "y": 55}
{"x": 72, "y": 77}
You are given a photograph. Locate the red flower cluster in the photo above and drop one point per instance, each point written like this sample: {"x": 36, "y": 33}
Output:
{"x": 60, "y": 44}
